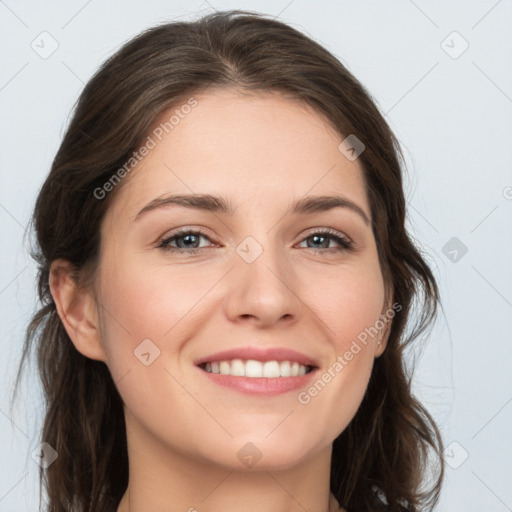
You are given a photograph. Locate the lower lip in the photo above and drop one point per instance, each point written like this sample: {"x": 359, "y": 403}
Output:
{"x": 261, "y": 385}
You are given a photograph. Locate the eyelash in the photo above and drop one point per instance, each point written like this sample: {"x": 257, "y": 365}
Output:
{"x": 345, "y": 243}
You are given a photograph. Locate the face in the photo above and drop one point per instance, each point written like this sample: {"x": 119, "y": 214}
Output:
{"x": 187, "y": 291}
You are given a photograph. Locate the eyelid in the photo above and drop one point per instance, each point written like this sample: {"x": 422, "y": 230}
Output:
{"x": 329, "y": 231}
{"x": 182, "y": 232}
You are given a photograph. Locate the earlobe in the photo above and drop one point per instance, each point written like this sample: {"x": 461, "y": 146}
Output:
{"x": 382, "y": 341}
{"x": 77, "y": 310}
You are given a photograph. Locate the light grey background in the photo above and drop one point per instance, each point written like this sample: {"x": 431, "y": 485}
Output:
{"x": 452, "y": 112}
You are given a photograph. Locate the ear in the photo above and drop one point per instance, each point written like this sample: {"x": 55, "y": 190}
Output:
{"x": 77, "y": 310}
{"x": 387, "y": 318}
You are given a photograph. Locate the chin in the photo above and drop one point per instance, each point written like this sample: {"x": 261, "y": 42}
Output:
{"x": 250, "y": 454}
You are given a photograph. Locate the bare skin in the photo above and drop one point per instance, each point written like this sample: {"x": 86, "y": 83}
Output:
{"x": 260, "y": 152}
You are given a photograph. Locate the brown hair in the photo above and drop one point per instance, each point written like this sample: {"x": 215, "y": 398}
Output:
{"x": 380, "y": 460}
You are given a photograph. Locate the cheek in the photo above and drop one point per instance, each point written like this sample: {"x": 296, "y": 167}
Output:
{"x": 349, "y": 306}
{"x": 140, "y": 303}
{"x": 350, "y": 309}
{"x": 154, "y": 297}
{"x": 349, "y": 302}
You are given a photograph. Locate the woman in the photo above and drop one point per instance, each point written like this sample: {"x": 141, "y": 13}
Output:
{"x": 226, "y": 280}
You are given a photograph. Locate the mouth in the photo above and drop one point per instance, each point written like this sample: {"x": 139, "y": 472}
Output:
{"x": 254, "y": 369}
{"x": 259, "y": 371}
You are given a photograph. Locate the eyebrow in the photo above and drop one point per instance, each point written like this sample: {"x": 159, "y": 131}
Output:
{"x": 217, "y": 204}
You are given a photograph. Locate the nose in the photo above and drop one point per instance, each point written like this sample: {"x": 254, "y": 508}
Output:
{"x": 262, "y": 291}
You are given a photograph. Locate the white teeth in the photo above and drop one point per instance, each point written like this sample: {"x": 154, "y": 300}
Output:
{"x": 257, "y": 369}
{"x": 224, "y": 367}
{"x": 253, "y": 368}
{"x": 237, "y": 368}
{"x": 285, "y": 369}
{"x": 271, "y": 370}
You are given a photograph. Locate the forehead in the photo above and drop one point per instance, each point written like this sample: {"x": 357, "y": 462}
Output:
{"x": 257, "y": 147}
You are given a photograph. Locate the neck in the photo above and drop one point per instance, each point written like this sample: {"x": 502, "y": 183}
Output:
{"x": 163, "y": 479}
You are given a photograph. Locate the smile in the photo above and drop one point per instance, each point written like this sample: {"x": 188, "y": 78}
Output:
{"x": 263, "y": 371}
{"x": 257, "y": 369}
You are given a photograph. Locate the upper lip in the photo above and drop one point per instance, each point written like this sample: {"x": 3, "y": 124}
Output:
{"x": 259, "y": 354}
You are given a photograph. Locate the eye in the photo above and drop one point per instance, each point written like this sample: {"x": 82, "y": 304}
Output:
{"x": 187, "y": 241}
{"x": 325, "y": 236}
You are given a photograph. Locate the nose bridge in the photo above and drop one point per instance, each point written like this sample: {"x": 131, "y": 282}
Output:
{"x": 262, "y": 280}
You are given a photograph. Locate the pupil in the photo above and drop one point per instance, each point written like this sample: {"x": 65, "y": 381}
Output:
{"x": 185, "y": 237}
{"x": 316, "y": 238}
